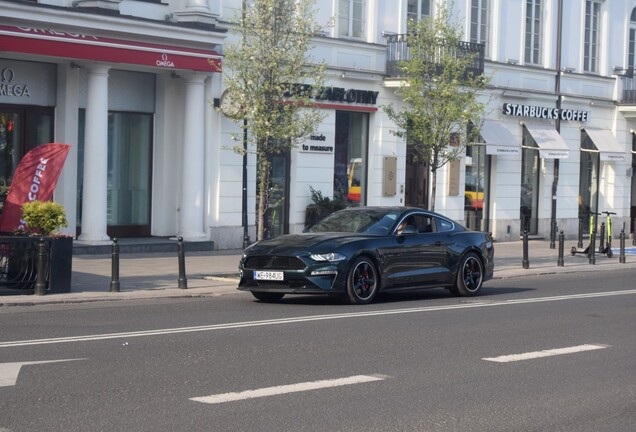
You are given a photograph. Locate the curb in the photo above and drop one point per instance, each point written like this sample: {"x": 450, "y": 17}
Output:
{"x": 231, "y": 282}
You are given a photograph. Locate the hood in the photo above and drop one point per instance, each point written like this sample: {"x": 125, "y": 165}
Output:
{"x": 301, "y": 244}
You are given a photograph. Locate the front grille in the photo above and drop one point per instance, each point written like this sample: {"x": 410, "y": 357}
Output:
{"x": 274, "y": 263}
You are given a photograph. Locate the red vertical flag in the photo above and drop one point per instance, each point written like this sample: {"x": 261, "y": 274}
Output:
{"x": 34, "y": 179}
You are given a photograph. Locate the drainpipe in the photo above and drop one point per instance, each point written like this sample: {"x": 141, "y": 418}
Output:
{"x": 557, "y": 91}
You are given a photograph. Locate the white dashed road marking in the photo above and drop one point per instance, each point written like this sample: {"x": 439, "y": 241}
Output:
{"x": 545, "y": 353}
{"x": 284, "y": 389}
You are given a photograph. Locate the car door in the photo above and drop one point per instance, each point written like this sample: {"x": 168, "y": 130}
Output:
{"x": 416, "y": 257}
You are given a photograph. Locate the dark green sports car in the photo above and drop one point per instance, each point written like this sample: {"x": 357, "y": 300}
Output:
{"x": 358, "y": 252}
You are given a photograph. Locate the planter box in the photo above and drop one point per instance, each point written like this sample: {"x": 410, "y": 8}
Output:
{"x": 61, "y": 265}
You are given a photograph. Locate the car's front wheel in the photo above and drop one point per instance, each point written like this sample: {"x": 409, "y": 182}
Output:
{"x": 363, "y": 282}
{"x": 267, "y": 297}
{"x": 470, "y": 276}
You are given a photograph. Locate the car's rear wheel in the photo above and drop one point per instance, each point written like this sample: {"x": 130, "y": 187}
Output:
{"x": 470, "y": 276}
{"x": 363, "y": 282}
{"x": 267, "y": 297}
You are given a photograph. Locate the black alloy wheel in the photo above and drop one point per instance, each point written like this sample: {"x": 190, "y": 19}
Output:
{"x": 470, "y": 276}
{"x": 363, "y": 282}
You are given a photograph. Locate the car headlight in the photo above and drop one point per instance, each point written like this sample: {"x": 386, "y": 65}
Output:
{"x": 331, "y": 257}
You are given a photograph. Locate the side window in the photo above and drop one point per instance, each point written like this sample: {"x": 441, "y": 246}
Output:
{"x": 443, "y": 225}
{"x": 415, "y": 224}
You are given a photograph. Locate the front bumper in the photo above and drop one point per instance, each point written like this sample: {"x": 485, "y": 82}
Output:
{"x": 313, "y": 278}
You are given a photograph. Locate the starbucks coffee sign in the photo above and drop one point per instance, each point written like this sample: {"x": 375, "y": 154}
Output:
{"x": 547, "y": 113}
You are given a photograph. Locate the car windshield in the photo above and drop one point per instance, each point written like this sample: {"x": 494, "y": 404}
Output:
{"x": 376, "y": 221}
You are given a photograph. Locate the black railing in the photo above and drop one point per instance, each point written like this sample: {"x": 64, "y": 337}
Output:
{"x": 398, "y": 50}
{"x": 18, "y": 262}
{"x": 628, "y": 95}
{"x": 23, "y": 257}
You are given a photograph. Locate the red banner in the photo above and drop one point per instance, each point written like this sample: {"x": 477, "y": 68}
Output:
{"x": 34, "y": 179}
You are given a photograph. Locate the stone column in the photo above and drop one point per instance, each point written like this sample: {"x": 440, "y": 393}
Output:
{"x": 94, "y": 193}
{"x": 192, "y": 171}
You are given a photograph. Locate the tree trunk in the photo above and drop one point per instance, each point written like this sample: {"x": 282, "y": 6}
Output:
{"x": 263, "y": 194}
{"x": 433, "y": 188}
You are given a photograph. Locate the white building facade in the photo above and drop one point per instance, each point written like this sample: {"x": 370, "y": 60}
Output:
{"x": 133, "y": 85}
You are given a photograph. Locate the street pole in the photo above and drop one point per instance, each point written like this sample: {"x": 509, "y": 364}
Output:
{"x": 246, "y": 237}
{"x": 557, "y": 90}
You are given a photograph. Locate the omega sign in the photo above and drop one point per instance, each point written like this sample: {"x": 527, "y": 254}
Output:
{"x": 8, "y": 87}
{"x": 544, "y": 112}
{"x": 165, "y": 62}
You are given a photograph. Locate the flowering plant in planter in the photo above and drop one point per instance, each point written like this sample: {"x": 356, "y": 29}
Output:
{"x": 43, "y": 218}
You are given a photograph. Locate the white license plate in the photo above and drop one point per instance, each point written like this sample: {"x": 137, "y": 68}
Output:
{"x": 268, "y": 275}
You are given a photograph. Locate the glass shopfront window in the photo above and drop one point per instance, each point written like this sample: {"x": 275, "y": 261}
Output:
{"x": 476, "y": 187}
{"x": 22, "y": 128}
{"x": 530, "y": 164}
{"x": 588, "y": 181}
{"x": 129, "y": 172}
{"x": 350, "y": 157}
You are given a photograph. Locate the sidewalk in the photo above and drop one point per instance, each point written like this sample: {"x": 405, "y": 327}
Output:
{"x": 215, "y": 273}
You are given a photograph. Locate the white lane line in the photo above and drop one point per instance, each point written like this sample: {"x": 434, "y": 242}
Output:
{"x": 284, "y": 389}
{"x": 281, "y": 321}
{"x": 545, "y": 353}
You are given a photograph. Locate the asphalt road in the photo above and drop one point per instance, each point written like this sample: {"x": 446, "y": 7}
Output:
{"x": 548, "y": 353}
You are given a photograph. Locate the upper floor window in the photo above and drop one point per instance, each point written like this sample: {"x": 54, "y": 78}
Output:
{"x": 479, "y": 21}
{"x": 533, "y": 31}
{"x": 592, "y": 30}
{"x": 631, "y": 53}
{"x": 417, "y": 10}
{"x": 351, "y": 18}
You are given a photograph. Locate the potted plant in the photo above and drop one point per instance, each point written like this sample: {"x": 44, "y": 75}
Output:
{"x": 46, "y": 218}
{"x": 320, "y": 207}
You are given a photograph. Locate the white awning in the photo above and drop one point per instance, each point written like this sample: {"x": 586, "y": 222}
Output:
{"x": 499, "y": 140}
{"x": 551, "y": 145}
{"x": 606, "y": 145}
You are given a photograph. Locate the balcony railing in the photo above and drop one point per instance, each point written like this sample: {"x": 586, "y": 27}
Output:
{"x": 628, "y": 84}
{"x": 398, "y": 50}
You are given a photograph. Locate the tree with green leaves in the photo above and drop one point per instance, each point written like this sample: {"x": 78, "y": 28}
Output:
{"x": 441, "y": 111}
{"x": 269, "y": 75}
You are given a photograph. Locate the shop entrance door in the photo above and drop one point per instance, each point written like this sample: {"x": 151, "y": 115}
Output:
{"x": 22, "y": 128}
{"x": 416, "y": 184}
{"x": 528, "y": 212}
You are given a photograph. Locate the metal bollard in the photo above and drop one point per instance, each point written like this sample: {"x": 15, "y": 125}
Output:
{"x": 580, "y": 243}
{"x": 114, "y": 282}
{"x": 525, "y": 263}
{"x": 592, "y": 251}
{"x": 621, "y": 257}
{"x": 601, "y": 242}
{"x": 42, "y": 267}
{"x": 634, "y": 233}
{"x": 560, "y": 261}
{"x": 183, "y": 282}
